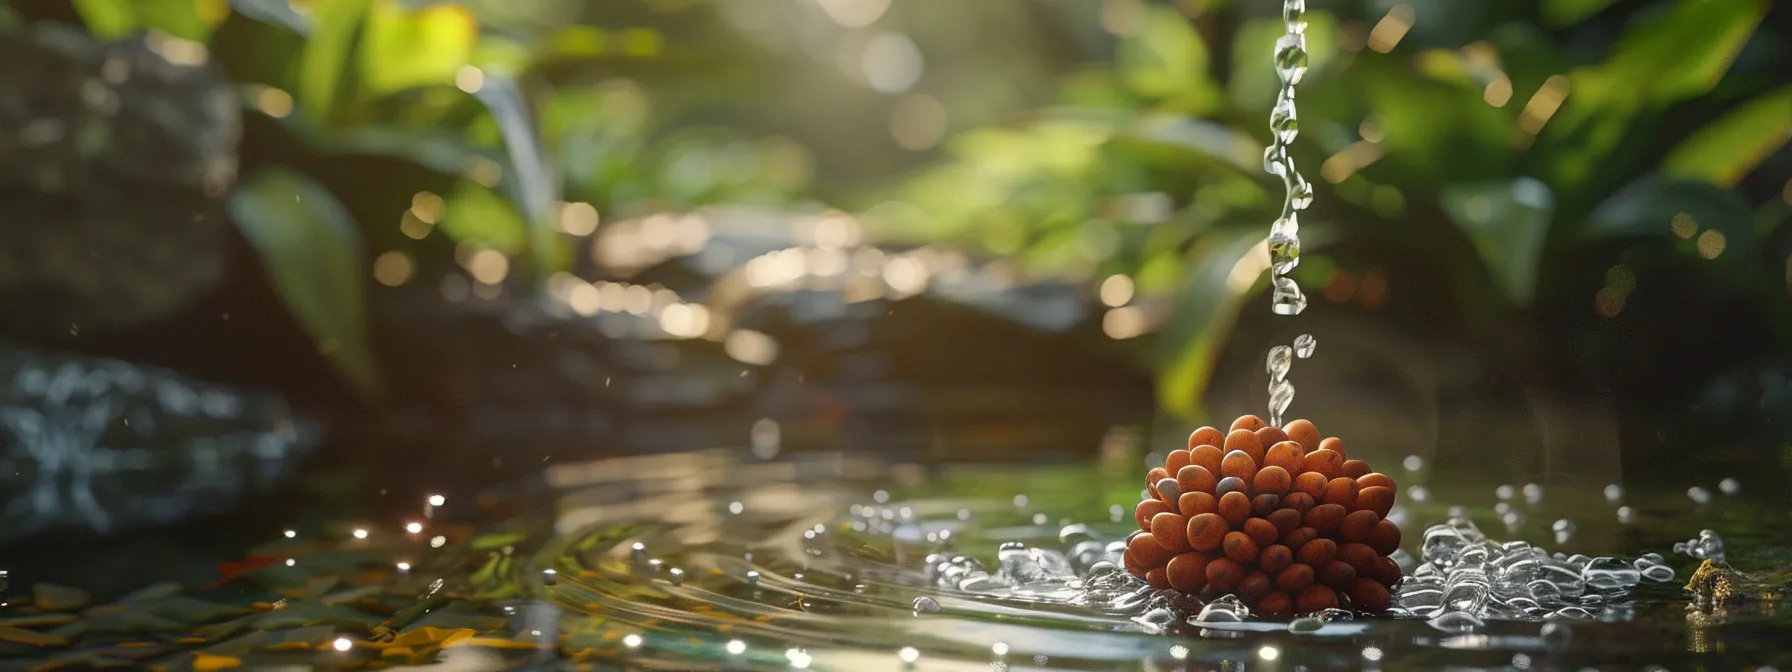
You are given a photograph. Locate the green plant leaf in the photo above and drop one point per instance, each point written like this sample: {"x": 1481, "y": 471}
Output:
{"x": 324, "y": 60}
{"x": 1558, "y": 13}
{"x": 1167, "y": 59}
{"x": 477, "y": 214}
{"x": 186, "y": 19}
{"x": 1727, "y": 149}
{"x": 402, "y": 48}
{"x": 312, "y": 251}
{"x": 1507, "y": 221}
{"x": 1212, "y": 294}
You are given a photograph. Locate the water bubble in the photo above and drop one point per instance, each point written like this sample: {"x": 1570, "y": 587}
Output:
{"x": 1533, "y": 493}
{"x": 1306, "y": 624}
{"x": 1564, "y": 530}
{"x": 1626, "y": 515}
{"x": 1608, "y": 573}
{"x": 1456, "y": 622}
{"x": 1505, "y": 492}
{"x": 1730, "y": 487}
{"x": 926, "y": 605}
{"x": 1614, "y": 493}
{"x": 1698, "y": 494}
{"x": 1413, "y": 463}
{"x": 1658, "y": 573}
{"x": 1226, "y": 609}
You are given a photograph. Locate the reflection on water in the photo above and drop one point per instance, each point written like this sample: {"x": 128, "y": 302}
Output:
{"x": 724, "y": 560}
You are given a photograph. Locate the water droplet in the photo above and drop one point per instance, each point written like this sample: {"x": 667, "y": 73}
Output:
{"x": 1284, "y": 252}
{"x": 676, "y": 575}
{"x": 1626, "y": 515}
{"x": 1282, "y": 119}
{"x": 1730, "y": 487}
{"x": 1698, "y": 494}
{"x": 1556, "y": 635}
{"x": 736, "y": 507}
{"x": 752, "y": 577}
{"x": 1614, "y": 493}
{"x": 1413, "y": 463}
{"x": 1564, "y": 530}
{"x": 1279, "y": 361}
{"x": 1418, "y": 494}
{"x": 1533, "y": 493}
{"x": 1304, "y": 345}
{"x": 926, "y": 605}
{"x": 1116, "y": 513}
{"x": 1020, "y": 501}
{"x": 549, "y": 577}
{"x": 1505, "y": 492}
{"x": 909, "y": 654}
{"x": 1291, "y": 58}
{"x": 1226, "y": 609}
{"x": 1300, "y": 195}
{"x": 1293, "y": 14}
{"x": 1306, "y": 624}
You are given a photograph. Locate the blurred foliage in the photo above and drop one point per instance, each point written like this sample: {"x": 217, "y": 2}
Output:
{"x": 1530, "y": 140}
{"x": 1527, "y": 133}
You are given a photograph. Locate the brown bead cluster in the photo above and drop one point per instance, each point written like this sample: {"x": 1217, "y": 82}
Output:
{"x": 1279, "y": 517}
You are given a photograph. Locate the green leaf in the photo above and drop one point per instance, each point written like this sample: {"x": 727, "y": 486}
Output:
{"x": 402, "y": 49}
{"x": 1207, "y": 307}
{"x": 1559, "y": 13}
{"x": 478, "y": 214}
{"x": 185, "y": 19}
{"x": 1507, "y": 222}
{"x": 1647, "y": 208}
{"x": 312, "y": 252}
{"x": 1167, "y": 59}
{"x": 322, "y": 63}
{"x": 1727, "y": 149}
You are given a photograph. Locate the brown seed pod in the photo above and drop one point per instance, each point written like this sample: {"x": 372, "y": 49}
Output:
{"x": 1240, "y": 548}
{"x": 1171, "y": 531}
{"x": 1339, "y": 575}
{"x": 1206, "y": 531}
{"x": 1192, "y": 504}
{"x": 1385, "y": 539}
{"x": 1305, "y": 433}
{"x": 1238, "y": 464}
{"x": 1317, "y": 553}
{"x": 1288, "y": 455}
{"x": 1368, "y": 595}
{"x": 1263, "y": 505}
{"x": 1254, "y": 586}
{"x": 1152, "y": 477}
{"x": 1285, "y": 520}
{"x": 1196, "y": 478}
{"x": 1207, "y": 457}
{"x": 1356, "y": 468}
{"x": 1146, "y": 552}
{"x": 1272, "y": 480}
{"x": 1384, "y": 570}
{"x": 1294, "y": 578}
{"x": 1340, "y": 491}
{"x": 1315, "y": 598}
{"x": 1145, "y": 510}
{"x": 1311, "y": 483}
{"x": 1247, "y": 443}
{"x": 1299, "y": 537}
{"x": 1206, "y": 436}
{"x": 1335, "y": 445}
{"x": 1269, "y": 436}
{"x": 1358, "y": 525}
{"x": 1175, "y": 461}
{"x": 1325, "y": 518}
{"x": 1327, "y": 462}
{"x": 1188, "y": 572}
{"x": 1223, "y": 574}
{"x": 1299, "y": 501}
{"x": 1276, "y": 604}
{"x": 1376, "y": 499}
{"x": 1235, "y": 508}
{"x": 1158, "y": 577}
{"x": 1275, "y": 558}
{"x": 1359, "y": 556}
{"x": 1248, "y": 422}
{"x": 1261, "y": 531}
{"x": 1376, "y": 478}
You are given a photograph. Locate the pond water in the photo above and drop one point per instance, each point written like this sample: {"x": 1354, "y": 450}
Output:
{"x": 726, "y": 559}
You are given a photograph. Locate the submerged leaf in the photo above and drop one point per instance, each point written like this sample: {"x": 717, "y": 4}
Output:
{"x": 1507, "y": 222}
{"x": 312, "y": 252}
